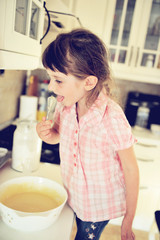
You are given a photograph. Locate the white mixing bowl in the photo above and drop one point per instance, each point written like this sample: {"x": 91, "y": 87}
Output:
{"x": 31, "y": 221}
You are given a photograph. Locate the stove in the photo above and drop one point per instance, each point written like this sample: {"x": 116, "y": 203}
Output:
{"x": 49, "y": 153}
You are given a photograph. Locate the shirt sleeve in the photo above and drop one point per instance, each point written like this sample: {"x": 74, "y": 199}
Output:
{"x": 120, "y": 132}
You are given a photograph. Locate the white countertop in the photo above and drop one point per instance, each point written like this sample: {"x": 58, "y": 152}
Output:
{"x": 60, "y": 230}
{"x": 146, "y": 136}
{"x": 148, "y": 203}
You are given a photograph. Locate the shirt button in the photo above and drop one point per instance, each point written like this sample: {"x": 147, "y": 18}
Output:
{"x": 76, "y": 131}
{"x": 75, "y": 144}
{"x": 75, "y": 164}
{"x": 74, "y": 155}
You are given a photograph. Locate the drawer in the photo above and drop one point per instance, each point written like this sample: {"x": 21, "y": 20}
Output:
{"x": 149, "y": 164}
{"x": 149, "y": 173}
{"x": 146, "y": 152}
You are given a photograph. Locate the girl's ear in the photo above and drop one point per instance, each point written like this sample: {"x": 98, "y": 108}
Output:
{"x": 90, "y": 82}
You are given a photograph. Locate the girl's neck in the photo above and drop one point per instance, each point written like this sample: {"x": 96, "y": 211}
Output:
{"x": 81, "y": 109}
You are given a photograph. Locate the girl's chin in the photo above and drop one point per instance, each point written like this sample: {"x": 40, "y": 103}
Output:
{"x": 60, "y": 98}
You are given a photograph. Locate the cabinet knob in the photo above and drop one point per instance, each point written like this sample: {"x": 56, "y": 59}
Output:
{"x": 129, "y": 62}
{"x": 137, "y": 57}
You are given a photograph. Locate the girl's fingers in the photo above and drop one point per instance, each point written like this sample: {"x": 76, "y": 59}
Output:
{"x": 44, "y": 128}
{"x": 45, "y": 125}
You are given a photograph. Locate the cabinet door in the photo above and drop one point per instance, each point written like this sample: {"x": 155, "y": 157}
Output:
{"x": 24, "y": 26}
{"x": 118, "y": 34}
{"x": 148, "y": 51}
{"x": 91, "y": 13}
{"x": 132, "y": 33}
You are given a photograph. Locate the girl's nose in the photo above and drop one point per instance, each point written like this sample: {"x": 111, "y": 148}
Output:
{"x": 51, "y": 85}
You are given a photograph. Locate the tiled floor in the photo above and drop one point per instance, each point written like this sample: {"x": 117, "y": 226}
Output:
{"x": 113, "y": 233}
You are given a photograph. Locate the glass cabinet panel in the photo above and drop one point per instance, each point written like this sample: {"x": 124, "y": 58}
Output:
{"x": 34, "y": 21}
{"x": 116, "y": 23}
{"x": 21, "y": 16}
{"x": 150, "y": 53}
{"x": 128, "y": 23}
{"x": 27, "y": 19}
{"x": 153, "y": 33}
{"x": 119, "y": 42}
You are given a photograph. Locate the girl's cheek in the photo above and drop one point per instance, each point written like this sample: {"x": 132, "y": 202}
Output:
{"x": 53, "y": 87}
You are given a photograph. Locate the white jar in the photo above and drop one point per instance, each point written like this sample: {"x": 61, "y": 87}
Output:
{"x": 27, "y": 147}
{"x": 149, "y": 61}
{"x": 142, "y": 115}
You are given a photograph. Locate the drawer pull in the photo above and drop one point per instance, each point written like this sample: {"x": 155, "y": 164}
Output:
{"x": 145, "y": 160}
{"x": 146, "y": 145}
{"x": 143, "y": 187}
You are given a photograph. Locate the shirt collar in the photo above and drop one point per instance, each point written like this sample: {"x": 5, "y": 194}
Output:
{"x": 95, "y": 112}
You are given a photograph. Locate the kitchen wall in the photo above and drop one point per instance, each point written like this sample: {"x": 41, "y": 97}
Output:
{"x": 123, "y": 87}
{"x": 11, "y": 87}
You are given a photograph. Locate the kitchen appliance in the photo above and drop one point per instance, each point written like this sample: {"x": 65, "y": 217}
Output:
{"x": 142, "y": 109}
{"x": 4, "y": 156}
{"x": 31, "y": 221}
{"x": 60, "y": 16}
{"x": 157, "y": 217}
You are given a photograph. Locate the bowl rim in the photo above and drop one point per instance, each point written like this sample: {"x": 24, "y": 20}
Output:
{"x": 2, "y": 186}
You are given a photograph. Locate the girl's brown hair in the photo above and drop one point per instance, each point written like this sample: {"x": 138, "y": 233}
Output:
{"x": 80, "y": 53}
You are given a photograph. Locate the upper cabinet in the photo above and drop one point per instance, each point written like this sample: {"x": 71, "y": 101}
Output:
{"x": 20, "y": 34}
{"x": 132, "y": 33}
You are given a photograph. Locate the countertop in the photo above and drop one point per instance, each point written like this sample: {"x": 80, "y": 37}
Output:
{"x": 60, "y": 230}
{"x": 149, "y": 193}
{"x": 146, "y": 136}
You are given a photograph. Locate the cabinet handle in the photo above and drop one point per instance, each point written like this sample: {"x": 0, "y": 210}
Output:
{"x": 137, "y": 57}
{"x": 143, "y": 187}
{"x": 49, "y": 22}
{"x": 146, "y": 145}
{"x": 145, "y": 160}
{"x": 129, "y": 62}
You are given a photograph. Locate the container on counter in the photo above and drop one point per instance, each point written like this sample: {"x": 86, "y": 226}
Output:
{"x": 28, "y": 107}
{"x": 42, "y": 100}
{"x": 32, "y": 89}
{"x": 149, "y": 61}
{"x": 27, "y": 147}
{"x": 142, "y": 115}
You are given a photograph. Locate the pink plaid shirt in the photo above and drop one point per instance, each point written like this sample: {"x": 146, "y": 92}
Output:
{"x": 90, "y": 166}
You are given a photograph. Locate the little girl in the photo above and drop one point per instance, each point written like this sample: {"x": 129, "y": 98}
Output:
{"x": 98, "y": 164}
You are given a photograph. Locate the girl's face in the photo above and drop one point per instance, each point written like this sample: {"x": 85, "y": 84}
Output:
{"x": 68, "y": 88}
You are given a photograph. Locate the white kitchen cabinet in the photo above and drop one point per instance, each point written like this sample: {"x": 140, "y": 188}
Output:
{"x": 91, "y": 13}
{"x": 132, "y": 33}
{"x": 20, "y": 34}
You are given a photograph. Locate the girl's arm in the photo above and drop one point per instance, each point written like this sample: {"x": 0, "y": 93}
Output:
{"x": 47, "y": 132}
{"x": 131, "y": 174}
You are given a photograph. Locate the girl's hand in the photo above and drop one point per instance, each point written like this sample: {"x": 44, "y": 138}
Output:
{"x": 126, "y": 230}
{"x": 45, "y": 131}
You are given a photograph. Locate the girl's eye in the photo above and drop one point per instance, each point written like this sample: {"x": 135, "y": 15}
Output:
{"x": 58, "y": 81}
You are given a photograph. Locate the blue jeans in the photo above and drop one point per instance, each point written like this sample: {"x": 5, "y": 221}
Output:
{"x": 89, "y": 230}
